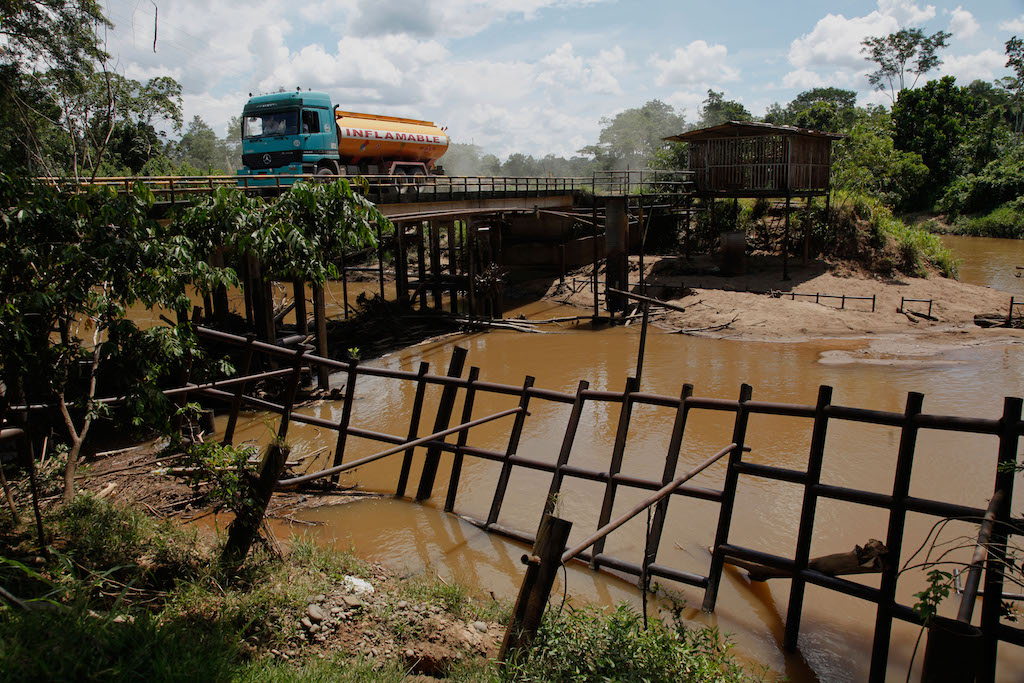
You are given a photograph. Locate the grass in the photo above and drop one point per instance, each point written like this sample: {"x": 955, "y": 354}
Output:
{"x": 121, "y": 597}
{"x": 1006, "y": 221}
{"x": 590, "y": 644}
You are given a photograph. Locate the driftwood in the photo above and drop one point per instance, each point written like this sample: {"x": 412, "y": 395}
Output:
{"x": 869, "y": 559}
{"x": 710, "y": 328}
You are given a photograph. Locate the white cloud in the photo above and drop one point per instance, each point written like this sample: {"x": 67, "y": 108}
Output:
{"x": 966, "y": 68}
{"x": 452, "y": 18}
{"x": 803, "y": 79}
{"x": 564, "y": 69}
{"x": 698, "y": 62}
{"x": 836, "y": 40}
{"x": 906, "y": 12}
{"x": 963, "y": 24}
{"x": 1015, "y": 25}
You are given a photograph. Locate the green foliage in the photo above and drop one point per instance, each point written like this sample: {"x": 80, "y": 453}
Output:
{"x": 1006, "y": 221}
{"x": 634, "y": 136}
{"x": 916, "y": 246}
{"x": 933, "y": 121}
{"x": 907, "y": 52}
{"x": 225, "y": 474}
{"x": 587, "y": 644}
{"x": 829, "y": 109}
{"x": 867, "y": 162}
{"x": 716, "y": 110}
{"x": 1001, "y": 181}
{"x": 940, "y": 583}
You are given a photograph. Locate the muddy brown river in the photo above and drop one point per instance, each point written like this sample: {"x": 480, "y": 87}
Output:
{"x": 835, "y": 637}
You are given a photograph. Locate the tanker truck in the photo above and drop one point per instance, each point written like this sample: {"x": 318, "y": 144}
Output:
{"x": 299, "y": 132}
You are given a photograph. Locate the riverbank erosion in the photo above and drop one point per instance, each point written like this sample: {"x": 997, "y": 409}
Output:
{"x": 819, "y": 301}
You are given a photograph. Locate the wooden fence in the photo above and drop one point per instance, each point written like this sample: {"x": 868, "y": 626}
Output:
{"x": 1008, "y": 429}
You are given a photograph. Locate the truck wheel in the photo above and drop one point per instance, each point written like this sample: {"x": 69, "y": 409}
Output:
{"x": 324, "y": 173}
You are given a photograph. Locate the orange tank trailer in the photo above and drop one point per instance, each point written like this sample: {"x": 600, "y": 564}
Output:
{"x": 387, "y": 140}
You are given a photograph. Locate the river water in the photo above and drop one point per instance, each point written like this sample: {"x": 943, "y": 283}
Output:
{"x": 835, "y": 636}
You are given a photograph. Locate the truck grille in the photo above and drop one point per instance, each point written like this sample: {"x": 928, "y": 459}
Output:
{"x": 271, "y": 159}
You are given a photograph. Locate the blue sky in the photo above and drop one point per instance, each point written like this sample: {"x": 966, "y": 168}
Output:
{"x": 534, "y": 76}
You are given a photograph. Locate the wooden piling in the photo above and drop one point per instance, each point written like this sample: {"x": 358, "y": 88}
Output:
{"x": 807, "y": 511}
{"x": 615, "y": 465}
{"x": 414, "y": 426}
{"x": 563, "y": 453}
{"x": 510, "y": 450}
{"x": 236, "y": 401}
{"x": 421, "y": 264}
{"x": 739, "y": 432}
{"x": 435, "y": 264}
{"x": 541, "y": 570}
{"x": 467, "y": 415}
{"x": 894, "y": 539}
{"x": 671, "y": 462}
{"x": 320, "y": 323}
{"x": 444, "y": 415}
{"x": 346, "y": 414}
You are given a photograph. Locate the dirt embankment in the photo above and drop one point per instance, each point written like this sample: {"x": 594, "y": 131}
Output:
{"x": 761, "y": 306}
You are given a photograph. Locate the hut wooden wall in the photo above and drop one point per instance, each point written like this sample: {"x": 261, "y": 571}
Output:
{"x": 760, "y": 163}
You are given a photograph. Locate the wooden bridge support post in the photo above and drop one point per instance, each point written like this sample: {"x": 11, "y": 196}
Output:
{"x": 301, "y": 319}
{"x": 806, "y": 531}
{"x": 807, "y": 233}
{"x": 894, "y": 539}
{"x": 467, "y": 415}
{"x": 435, "y": 263}
{"x": 615, "y": 465}
{"x": 421, "y": 264}
{"x": 414, "y": 426}
{"x": 616, "y": 235}
{"x": 471, "y": 226}
{"x": 401, "y": 265}
{"x": 991, "y": 609}
{"x": 541, "y": 571}
{"x": 380, "y": 260}
{"x": 444, "y": 416}
{"x": 453, "y": 266}
{"x": 236, "y": 400}
{"x": 320, "y": 323}
{"x": 739, "y": 432}
{"x": 785, "y": 241}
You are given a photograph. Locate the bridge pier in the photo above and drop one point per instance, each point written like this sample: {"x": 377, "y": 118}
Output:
{"x": 616, "y": 230}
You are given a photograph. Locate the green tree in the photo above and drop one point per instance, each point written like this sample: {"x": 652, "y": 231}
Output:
{"x": 200, "y": 147}
{"x": 70, "y": 267}
{"x": 831, "y": 109}
{"x": 634, "y": 136}
{"x": 907, "y": 52}
{"x": 867, "y": 162}
{"x": 717, "y": 110}
{"x": 932, "y": 121}
{"x": 1014, "y": 85}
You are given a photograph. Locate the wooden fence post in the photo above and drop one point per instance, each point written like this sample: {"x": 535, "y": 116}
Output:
{"x": 467, "y": 415}
{"x": 991, "y": 606}
{"x": 541, "y": 570}
{"x": 444, "y": 416}
{"x": 739, "y": 432}
{"x": 894, "y": 539}
{"x": 414, "y": 426}
{"x": 346, "y": 415}
{"x": 621, "y": 435}
{"x": 807, "y": 511}
{"x": 510, "y": 450}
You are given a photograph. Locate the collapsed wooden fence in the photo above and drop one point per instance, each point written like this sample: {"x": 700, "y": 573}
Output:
{"x": 1008, "y": 429}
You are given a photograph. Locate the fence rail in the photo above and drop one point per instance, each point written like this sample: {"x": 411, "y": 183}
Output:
{"x": 1008, "y": 428}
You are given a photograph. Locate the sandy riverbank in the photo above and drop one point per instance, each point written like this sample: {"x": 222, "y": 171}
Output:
{"x": 735, "y": 307}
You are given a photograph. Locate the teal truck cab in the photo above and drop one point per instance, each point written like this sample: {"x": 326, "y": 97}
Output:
{"x": 295, "y": 133}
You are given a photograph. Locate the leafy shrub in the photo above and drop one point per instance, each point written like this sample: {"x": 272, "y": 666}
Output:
{"x": 587, "y": 644}
{"x": 1005, "y": 221}
{"x": 1001, "y": 181}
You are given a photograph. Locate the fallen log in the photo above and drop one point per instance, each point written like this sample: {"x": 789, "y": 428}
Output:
{"x": 869, "y": 559}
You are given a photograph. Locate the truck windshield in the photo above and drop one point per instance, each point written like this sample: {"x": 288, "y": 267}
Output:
{"x": 270, "y": 123}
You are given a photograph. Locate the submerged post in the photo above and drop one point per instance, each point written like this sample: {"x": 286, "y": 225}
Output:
{"x": 541, "y": 570}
